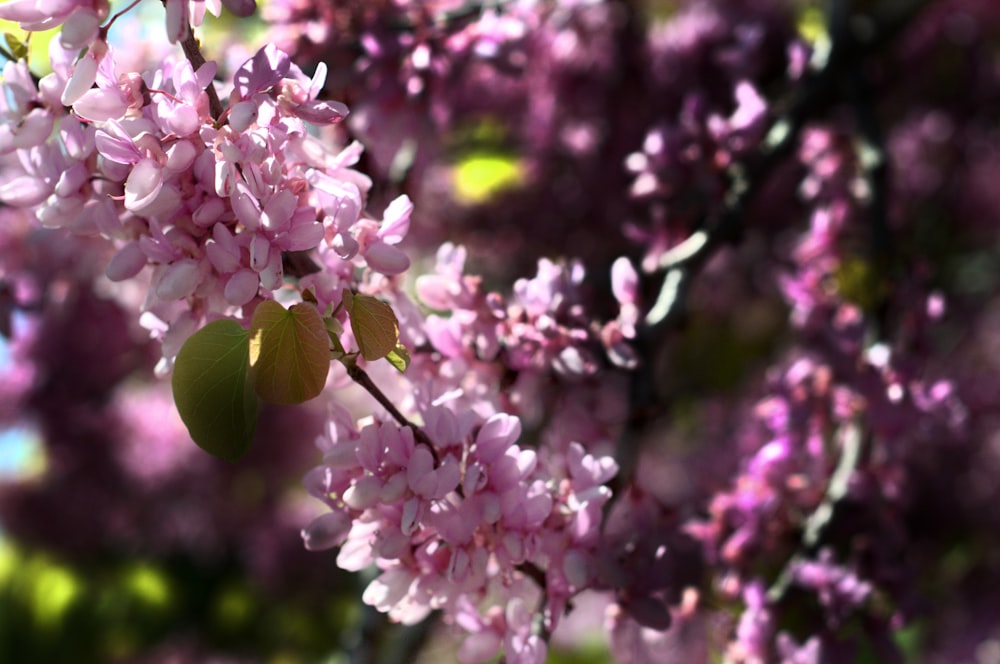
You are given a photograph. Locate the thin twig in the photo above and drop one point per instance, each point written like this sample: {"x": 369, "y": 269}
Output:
{"x": 852, "y": 450}
{"x": 875, "y": 168}
{"x": 369, "y": 630}
{"x": 117, "y": 16}
{"x": 361, "y": 377}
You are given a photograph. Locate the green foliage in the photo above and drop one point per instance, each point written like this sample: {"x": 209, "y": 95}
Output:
{"x": 589, "y": 652}
{"x": 17, "y": 48}
{"x": 399, "y": 357}
{"x": 212, "y": 392}
{"x": 858, "y": 282}
{"x": 910, "y": 640}
{"x": 480, "y": 175}
{"x": 34, "y": 47}
{"x": 289, "y": 352}
{"x": 811, "y": 24}
{"x": 375, "y": 326}
{"x": 113, "y": 609}
{"x": 716, "y": 353}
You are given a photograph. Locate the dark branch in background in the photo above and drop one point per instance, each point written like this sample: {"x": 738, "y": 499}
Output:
{"x": 842, "y": 38}
{"x": 539, "y": 625}
{"x": 852, "y": 39}
{"x": 368, "y": 632}
{"x": 375, "y": 639}
{"x": 875, "y": 168}
{"x": 847, "y": 51}
{"x": 852, "y": 447}
{"x": 412, "y": 639}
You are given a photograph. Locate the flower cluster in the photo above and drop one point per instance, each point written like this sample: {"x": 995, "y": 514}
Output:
{"x": 214, "y": 205}
{"x": 462, "y": 523}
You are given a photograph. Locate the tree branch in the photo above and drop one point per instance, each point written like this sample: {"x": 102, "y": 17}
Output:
{"x": 361, "y": 377}
{"x": 192, "y": 51}
{"x": 852, "y": 451}
{"x": 822, "y": 86}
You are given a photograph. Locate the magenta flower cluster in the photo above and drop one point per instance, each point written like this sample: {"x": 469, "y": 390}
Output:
{"x": 457, "y": 525}
{"x": 211, "y": 203}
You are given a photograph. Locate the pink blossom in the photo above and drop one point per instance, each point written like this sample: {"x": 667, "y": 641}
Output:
{"x": 36, "y": 15}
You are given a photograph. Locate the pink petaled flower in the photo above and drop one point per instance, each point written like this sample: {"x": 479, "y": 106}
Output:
{"x": 588, "y": 475}
{"x": 298, "y": 97}
{"x": 522, "y": 645}
{"x": 625, "y": 286}
{"x": 115, "y": 144}
{"x": 840, "y": 590}
{"x": 375, "y": 242}
{"x": 451, "y": 526}
{"x": 495, "y": 437}
{"x": 83, "y": 73}
{"x": 36, "y": 15}
{"x": 342, "y": 201}
{"x": 261, "y": 72}
{"x": 811, "y": 652}
{"x": 114, "y": 98}
{"x": 428, "y": 482}
{"x": 392, "y": 593}
{"x": 545, "y": 326}
{"x": 184, "y": 110}
{"x": 81, "y": 28}
{"x": 755, "y": 628}
{"x": 23, "y": 122}
{"x": 446, "y": 289}
{"x": 181, "y": 14}
{"x": 144, "y": 184}
{"x": 615, "y": 334}
{"x": 743, "y": 128}
{"x": 42, "y": 170}
{"x": 326, "y": 531}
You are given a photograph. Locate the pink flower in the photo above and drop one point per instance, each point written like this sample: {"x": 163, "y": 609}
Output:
{"x": 34, "y": 15}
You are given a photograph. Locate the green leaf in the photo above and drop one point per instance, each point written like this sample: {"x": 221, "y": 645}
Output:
{"x": 374, "y": 323}
{"x": 289, "y": 352}
{"x": 399, "y": 357}
{"x": 36, "y": 43}
{"x": 213, "y": 396}
{"x": 333, "y": 330}
{"x": 17, "y": 48}
{"x": 481, "y": 175}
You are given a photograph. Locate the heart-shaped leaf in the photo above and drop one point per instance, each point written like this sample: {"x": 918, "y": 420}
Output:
{"x": 289, "y": 352}
{"x": 374, "y": 323}
{"x": 213, "y": 396}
